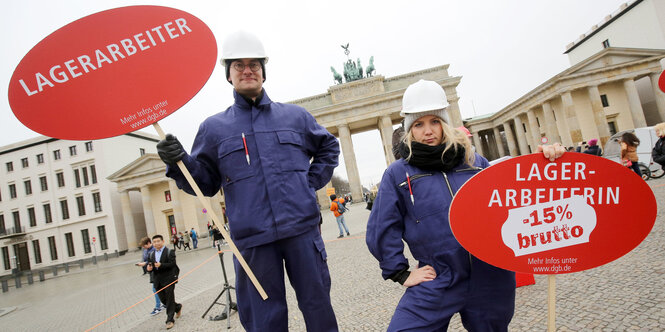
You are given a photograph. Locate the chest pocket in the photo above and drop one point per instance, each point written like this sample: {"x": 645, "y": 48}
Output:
{"x": 429, "y": 195}
{"x": 232, "y": 160}
{"x": 292, "y": 151}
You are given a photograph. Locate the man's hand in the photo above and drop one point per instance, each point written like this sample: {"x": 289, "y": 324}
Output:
{"x": 149, "y": 267}
{"x": 170, "y": 150}
{"x": 417, "y": 276}
{"x": 158, "y": 264}
{"x": 141, "y": 264}
{"x": 551, "y": 152}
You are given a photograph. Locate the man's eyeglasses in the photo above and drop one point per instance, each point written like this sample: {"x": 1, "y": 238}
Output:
{"x": 253, "y": 66}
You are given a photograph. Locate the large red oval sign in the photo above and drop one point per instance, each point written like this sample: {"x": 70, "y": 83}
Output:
{"x": 112, "y": 72}
{"x": 530, "y": 215}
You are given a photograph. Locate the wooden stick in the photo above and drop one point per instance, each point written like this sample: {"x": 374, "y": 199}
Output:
{"x": 216, "y": 219}
{"x": 551, "y": 303}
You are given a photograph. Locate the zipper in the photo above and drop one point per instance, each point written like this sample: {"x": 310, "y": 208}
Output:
{"x": 414, "y": 177}
{"x": 452, "y": 195}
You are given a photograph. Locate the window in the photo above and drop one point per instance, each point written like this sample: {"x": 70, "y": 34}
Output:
{"x": 54, "y": 250}
{"x": 81, "y": 206}
{"x": 47, "y": 213}
{"x": 40, "y": 158}
{"x": 613, "y": 127}
{"x": 167, "y": 195}
{"x": 61, "y": 179}
{"x": 141, "y": 151}
{"x": 3, "y": 230}
{"x": 85, "y": 176}
{"x": 65, "y": 209}
{"x": 28, "y": 187}
{"x": 93, "y": 174}
{"x": 72, "y": 150}
{"x": 97, "y": 201}
{"x": 102, "y": 237}
{"x": 32, "y": 217}
{"x": 77, "y": 178}
{"x": 70, "y": 244}
{"x": 88, "y": 146}
{"x": 12, "y": 190}
{"x": 10, "y": 166}
{"x": 603, "y": 100}
{"x": 86, "y": 241}
{"x": 17, "y": 222}
{"x": 5, "y": 258}
{"x": 606, "y": 43}
{"x": 56, "y": 155}
{"x": 24, "y": 162}
{"x": 37, "y": 250}
{"x": 42, "y": 183}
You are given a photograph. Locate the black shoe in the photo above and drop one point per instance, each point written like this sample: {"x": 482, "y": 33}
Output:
{"x": 347, "y": 234}
{"x": 341, "y": 236}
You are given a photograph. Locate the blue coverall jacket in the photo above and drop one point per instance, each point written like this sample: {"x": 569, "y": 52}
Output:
{"x": 273, "y": 197}
{"x": 424, "y": 226}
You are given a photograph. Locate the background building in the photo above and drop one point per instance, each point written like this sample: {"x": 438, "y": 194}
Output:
{"x": 56, "y": 204}
{"x": 611, "y": 86}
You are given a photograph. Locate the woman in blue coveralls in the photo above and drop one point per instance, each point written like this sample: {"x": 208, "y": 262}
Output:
{"x": 413, "y": 204}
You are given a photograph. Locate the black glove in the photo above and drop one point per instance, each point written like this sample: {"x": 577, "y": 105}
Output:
{"x": 170, "y": 150}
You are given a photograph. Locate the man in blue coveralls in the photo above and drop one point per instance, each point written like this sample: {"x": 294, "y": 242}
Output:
{"x": 259, "y": 152}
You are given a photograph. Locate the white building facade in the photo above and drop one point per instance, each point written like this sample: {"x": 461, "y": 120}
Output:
{"x": 56, "y": 205}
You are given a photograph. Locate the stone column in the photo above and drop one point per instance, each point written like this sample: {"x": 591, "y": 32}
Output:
{"x": 128, "y": 219}
{"x": 386, "y": 131}
{"x": 323, "y": 198}
{"x": 453, "y": 108}
{"x": 147, "y": 211}
{"x": 177, "y": 207}
{"x": 599, "y": 114}
{"x": 510, "y": 138}
{"x": 562, "y": 126}
{"x": 535, "y": 130}
{"x": 350, "y": 161}
{"x": 568, "y": 108}
{"x": 636, "y": 110}
{"x": 521, "y": 136}
{"x": 659, "y": 95}
{"x": 550, "y": 124}
{"x": 499, "y": 142}
{"x": 478, "y": 143}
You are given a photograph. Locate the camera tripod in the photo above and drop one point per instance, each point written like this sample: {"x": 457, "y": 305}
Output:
{"x": 228, "y": 304}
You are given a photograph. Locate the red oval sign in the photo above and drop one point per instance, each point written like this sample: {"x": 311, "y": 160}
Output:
{"x": 661, "y": 81}
{"x": 527, "y": 214}
{"x": 112, "y": 72}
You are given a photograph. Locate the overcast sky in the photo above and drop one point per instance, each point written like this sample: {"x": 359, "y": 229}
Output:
{"x": 502, "y": 49}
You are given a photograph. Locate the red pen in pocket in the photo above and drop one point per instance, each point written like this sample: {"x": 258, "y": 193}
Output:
{"x": 244, "y": 142}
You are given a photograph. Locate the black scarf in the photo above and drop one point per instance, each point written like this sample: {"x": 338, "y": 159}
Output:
{"x": 430, "y": 157}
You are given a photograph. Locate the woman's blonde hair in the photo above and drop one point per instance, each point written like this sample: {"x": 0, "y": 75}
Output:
{"x": 660, "y": 129}
{"x": 452, "y": 138}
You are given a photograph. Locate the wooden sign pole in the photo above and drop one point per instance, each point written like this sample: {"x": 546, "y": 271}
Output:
{"x": 216, "y": 219}
{"x": 551, "y": 303}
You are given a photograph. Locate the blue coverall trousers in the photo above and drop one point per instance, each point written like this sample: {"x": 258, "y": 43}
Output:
{"x": 304, "y": 257}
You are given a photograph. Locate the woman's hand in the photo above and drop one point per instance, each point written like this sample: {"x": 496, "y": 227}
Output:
{"x": 417, "y": 276}
{"x": 551, "y": 152}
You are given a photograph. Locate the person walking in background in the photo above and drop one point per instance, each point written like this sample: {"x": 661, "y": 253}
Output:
{"x": 148, "y": 249}
{"x": 195, "y": 238}
{"x": 658, "y": 152}
{"x": 629, "y": 158}
{"x": 338, "y": 209}
{"x": 176, "y": 241}
{"x": 165, "y": 271}
{"x": 593, "y": 148}
{"x": 185, "y": 240}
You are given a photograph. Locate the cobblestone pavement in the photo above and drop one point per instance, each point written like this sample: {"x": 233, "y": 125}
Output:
{"x": 625, "y": 295}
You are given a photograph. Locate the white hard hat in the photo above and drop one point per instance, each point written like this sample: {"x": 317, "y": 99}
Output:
{"x": 423, "y": 96}
{"x": 242, "y": 45}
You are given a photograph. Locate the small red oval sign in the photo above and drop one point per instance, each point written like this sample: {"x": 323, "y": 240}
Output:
{"x": 527, "y": 214}
{"x": 112, "y": 72}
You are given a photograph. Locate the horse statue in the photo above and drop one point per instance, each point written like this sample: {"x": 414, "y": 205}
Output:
{"x": 360, "y": 70}
{"x": 369, "y": 71}
{"x": 336, "y": 75}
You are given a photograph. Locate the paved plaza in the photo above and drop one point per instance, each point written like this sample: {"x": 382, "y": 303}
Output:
{"x": 625, "y": 295}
